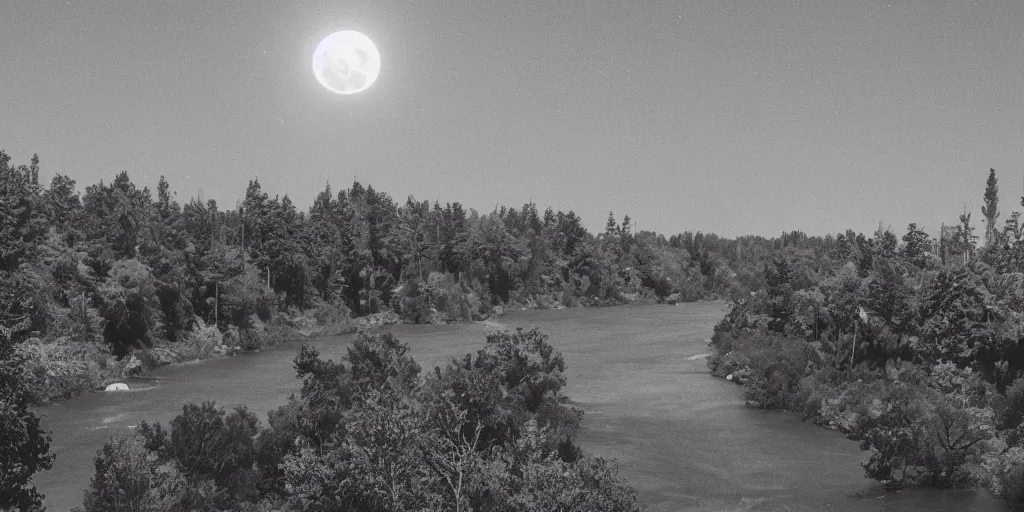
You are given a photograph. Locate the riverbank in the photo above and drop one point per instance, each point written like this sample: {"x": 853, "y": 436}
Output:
{"x": 683, "y": 440}
{"x": 920, "y": 426}
{"x": 58, "y": 370}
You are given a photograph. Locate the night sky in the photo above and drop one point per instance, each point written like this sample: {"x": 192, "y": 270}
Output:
{"x": 734, "y": 118}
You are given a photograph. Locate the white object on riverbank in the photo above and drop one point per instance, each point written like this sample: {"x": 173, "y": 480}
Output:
{"x": 117, "y": 386}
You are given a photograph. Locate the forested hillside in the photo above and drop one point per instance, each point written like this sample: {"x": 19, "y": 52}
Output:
{"x": 909, "y": 345}
{"x": 113, "y": 271}
{"x": 101, "y": 284}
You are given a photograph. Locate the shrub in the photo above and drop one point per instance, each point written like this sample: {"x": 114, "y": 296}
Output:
{"x": 204, "y": 462}
{"x": 24, "y": 446}
{"x": 777, "y": 366}
{"x": 526, "y": 476}
{"x": 252, "y": 339}
{"x": 321, "y": 318}
{"x": 277, "y": 442}
{"x": 439, "y": 299}
{"x": 1013, "y": 487}
{"x": 131, "y": 307}
{"x": 279, "y": 333}
{"x": 1007, "y": 470}
{"x": 202, "y": 342}
{"x": 919, "y": 435}
{"x": 122, "y": 482}
{"x": 569, "y": 294}
{"x": 246, "y": 298}
{"x": 818, "y": 397}
{"x": 413, "y": 303}
{"x": 517, "y": 377}
{"x": 489, "y": 432}
{"x": 773, "y": 365}
{"x": 1010, "y": 412}
{"x": 79, "y": 322}
{"x": 232, "y": 337}
{"x": 327, "y": 313}
{"x": 380, "y": 361}
{"x": 60, "y": 369}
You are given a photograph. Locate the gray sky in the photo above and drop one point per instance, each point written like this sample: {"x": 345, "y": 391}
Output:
{"x": 734, "y": 118}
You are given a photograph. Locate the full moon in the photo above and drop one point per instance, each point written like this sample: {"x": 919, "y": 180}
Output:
{"x": 346, "y": 62}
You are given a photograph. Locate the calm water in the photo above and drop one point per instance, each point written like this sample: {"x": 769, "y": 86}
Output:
{"x": 683, "y": 439}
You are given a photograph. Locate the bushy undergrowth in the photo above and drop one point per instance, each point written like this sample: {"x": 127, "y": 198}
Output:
{"x": 201, "y": 343}
{"x": 438, "y": 299}
{"x": 323, "y": 318}
{"x": 1007, "y": 468}
{"x": 61, "y": 369}
{"x": 24, "y": 445}
{"x": 923, "y": 425}
{"x": 770, "y": 366}
{"x": 487, "y": 432}
{"x": 1006, "y": 461}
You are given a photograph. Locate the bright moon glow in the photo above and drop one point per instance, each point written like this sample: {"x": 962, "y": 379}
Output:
{"x": 346, "y": 62}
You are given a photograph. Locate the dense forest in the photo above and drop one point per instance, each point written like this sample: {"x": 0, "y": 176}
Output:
{"x": 911, "y": 346}
{"x": 113, "y": 280}
{"x": 105, "y": 283}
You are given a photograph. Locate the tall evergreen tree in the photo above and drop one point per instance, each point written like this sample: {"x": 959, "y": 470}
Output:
{"x": 991, "y": 208}
{"x": 966, "y": 237}
{"x": 916, "y": 245}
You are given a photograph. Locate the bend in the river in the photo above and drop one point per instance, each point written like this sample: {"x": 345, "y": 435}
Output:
{"x": 685, "y": 440}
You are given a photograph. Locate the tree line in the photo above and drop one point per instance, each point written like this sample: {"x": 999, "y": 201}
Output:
{"x": 911, "y": 345}
{"x": 102, "y": 283}
{"x": 896, "y": 340}
{"x": 116, "y": 265}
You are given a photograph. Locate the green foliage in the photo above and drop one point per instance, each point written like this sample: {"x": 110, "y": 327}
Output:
{"x": 777, "y": 365}
{"x": 414, "y": 303}
{"x": 24, "y": 446}
{"x": 22, "y": 221}
{"x": 923, "y": 436}
{"x": 1007, "y": 470}
{"x": 142, "y": 270}
{"x": 203, "y": 342}
{"x": 991, "y": 208}
{"x": 252, "y": 339}
{"x": 204, "y": 462}
{"x": 381, "y": 363}
{"x": 64, "y": 368}
{"x": 912, "y": 349}
{"x": 917, "y": 246}
{"x": 369, "y": 434}
{"x": 245, "y": 297}
{"x": 124, "y": 478}
{"x": 131, "y": 308}
{"x": 80, "y": 322}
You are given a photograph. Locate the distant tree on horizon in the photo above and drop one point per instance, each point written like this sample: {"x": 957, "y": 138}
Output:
{"x": 991, "y": 208}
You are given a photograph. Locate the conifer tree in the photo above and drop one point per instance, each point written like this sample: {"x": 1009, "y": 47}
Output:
{"x": 991, "y": 208}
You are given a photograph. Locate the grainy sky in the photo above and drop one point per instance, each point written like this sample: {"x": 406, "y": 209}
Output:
{"x": 736, "y": 118}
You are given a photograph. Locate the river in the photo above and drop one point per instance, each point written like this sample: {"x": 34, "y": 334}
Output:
{"x": 685, "y": 440}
